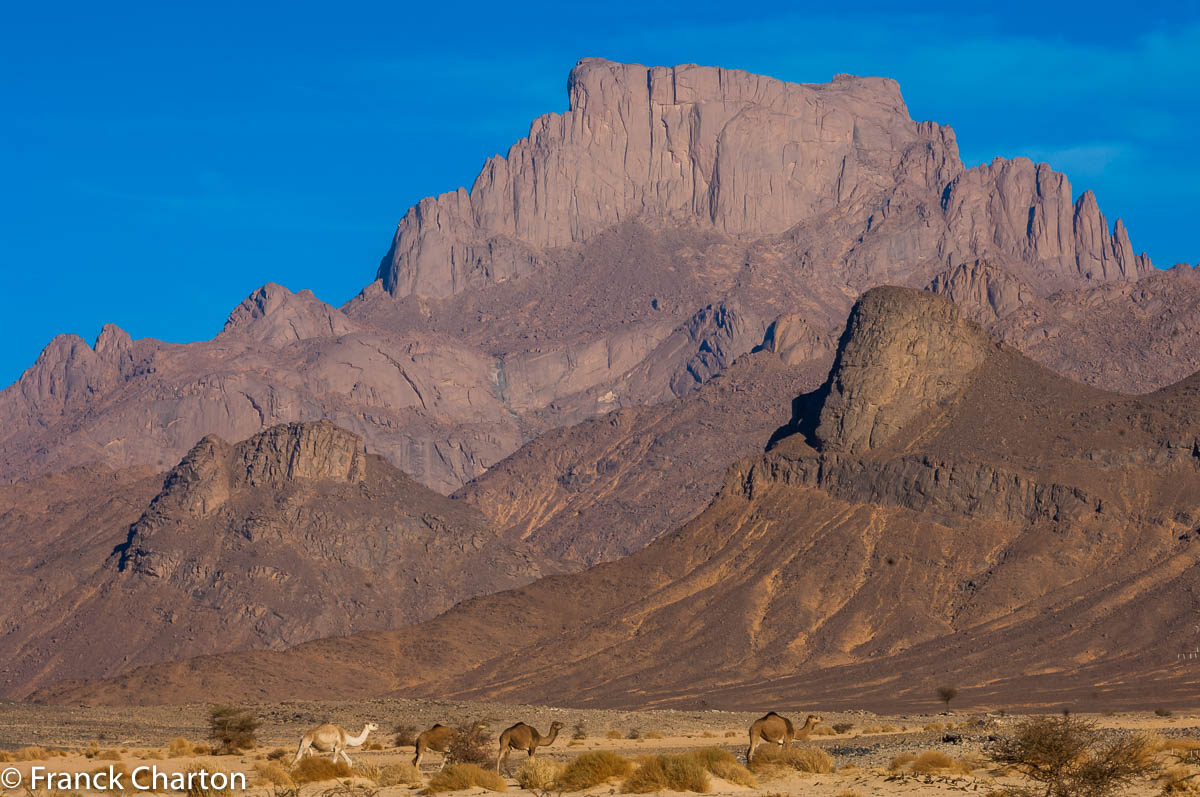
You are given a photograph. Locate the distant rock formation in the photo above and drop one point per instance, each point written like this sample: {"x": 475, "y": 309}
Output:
{"x": 748, "y": 156}
{"x": 903, "y": 353}
{"x": 292, "y": 534}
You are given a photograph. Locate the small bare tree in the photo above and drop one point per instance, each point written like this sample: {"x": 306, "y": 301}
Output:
{"x": 946, "y": 694}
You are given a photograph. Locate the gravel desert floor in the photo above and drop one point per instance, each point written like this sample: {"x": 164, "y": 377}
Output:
{"x": 867, "y": 750}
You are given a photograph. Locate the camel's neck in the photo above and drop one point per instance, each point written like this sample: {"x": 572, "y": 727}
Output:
{"x": 549, "y": 739}
{"x": 807, "y": 729}
{"x": 355, "y": 741}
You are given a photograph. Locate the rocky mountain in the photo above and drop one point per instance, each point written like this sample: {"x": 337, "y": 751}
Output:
{"x": 292, "y": 534}
{"x": 941, "y": 510}
{"x": 608, "y": 486}
{"x": 622, "y": 254}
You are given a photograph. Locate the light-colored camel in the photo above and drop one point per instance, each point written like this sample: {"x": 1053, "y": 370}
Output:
{"x": 330, "y": 738}
{"x": 775, "y": 729}
{"x": 524, "y": 737}
{"x": 438, "y": 739}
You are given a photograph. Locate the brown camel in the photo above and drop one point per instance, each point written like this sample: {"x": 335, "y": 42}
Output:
{"x": 524, "y": 737}
{"x": 778, "y": 730}
{"x": 438, "y": 739}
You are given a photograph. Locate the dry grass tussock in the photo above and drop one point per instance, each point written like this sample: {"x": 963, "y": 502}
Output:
{"x": 823, "y": 730}
{"x": 770, "y": 760}
{"x": 403, "y": 773}
{"x": 592, "y": 769}
{"x": 724, "y": 765}
{"x": 657, "y": 735}
{"x": 197, "y": 789}
{"x": 314, "y": 769}
{"x": 365, "y": 770}
{"x": 870, "y": 729}
{"x": 667, "y": 773}
{"x": 268, "y": 773}
{"x": 457, "y": 777}
{"x": 930, "y": 762}
{"x": 538, "y": 774}
{"x": 613, "y": 733}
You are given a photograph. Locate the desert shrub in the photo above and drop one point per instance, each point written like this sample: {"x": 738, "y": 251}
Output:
{"x": 271, "y": 774}
{"x": 801, "y": 759}
{"x": 724, "y": 765}
{"x": 579, "y": 732}
{"x": 200, "y": 748}
{"x": 151, "y": 755}
{"x": 634, "y": 733}
{"x": 592, "y": 769}
{"x": 730, "y": 734}
{"x": 667, "y": 772}
{"x": 32, "y": 754}
{"x": 657, "y": 735}
{"x": 108, "y": 755}
{"x": 456, "y": 777}
{"x": 936, "y": 726}
{"x": 1070, "y": 757}
{"x": 374, "y": 747}
{"x": 278, "y": 754}
{"x": 842, "y": 727}
{"x": 538, "y": 774}
{"x": 232, "y": 728}
{"x": 403, "y": 773}
{"x": 1163, "y": 712}
{"x": 5, "y": 757}
{"x": 946, "y": 694}
{"x": 472, "y": 744}
{"x": 404, "y": 735}
{"x": 823, "y": 730}
{"x": 314, "y": 769}
{"x": 613, "y": 733}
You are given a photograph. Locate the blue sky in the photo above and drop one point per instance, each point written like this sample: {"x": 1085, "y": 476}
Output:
{"x": 162, "y": 160}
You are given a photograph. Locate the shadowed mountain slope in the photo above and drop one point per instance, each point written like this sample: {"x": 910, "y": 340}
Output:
{"x": 941, "y": 510}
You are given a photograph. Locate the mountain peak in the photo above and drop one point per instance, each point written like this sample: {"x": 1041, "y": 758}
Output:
{"x": 276, "y": 316}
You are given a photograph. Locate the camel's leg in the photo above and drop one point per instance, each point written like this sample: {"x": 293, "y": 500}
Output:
{"x": 750, "y": 750}
{"x": 304, "y": 745}
{"x": 343, "y": 752}
{"x": 417, "y": 758}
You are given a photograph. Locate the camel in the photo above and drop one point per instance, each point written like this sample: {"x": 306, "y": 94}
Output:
{"x": 438, "y": 739}
{"x": 524, "y": 737}
{"x": 330, "y": 738}
{"x": 778, "y": 730}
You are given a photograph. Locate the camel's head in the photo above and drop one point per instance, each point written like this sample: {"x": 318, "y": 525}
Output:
{"x": 813, "y": 719}
{"x": 556, "y": 726}
{"x": 371, "y": 727}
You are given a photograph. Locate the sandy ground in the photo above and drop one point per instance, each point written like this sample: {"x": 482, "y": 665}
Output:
{"x": 862, "y": 753}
